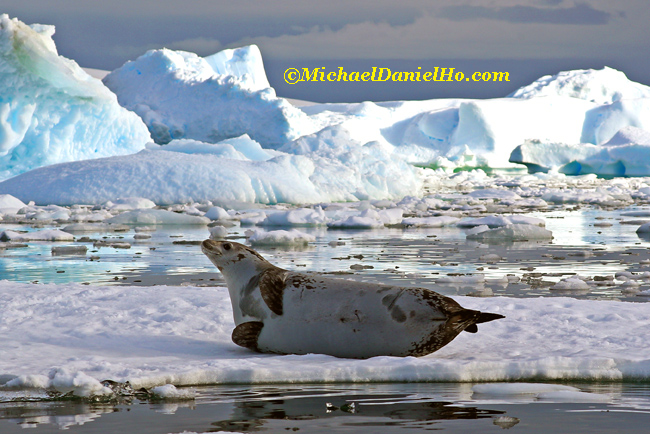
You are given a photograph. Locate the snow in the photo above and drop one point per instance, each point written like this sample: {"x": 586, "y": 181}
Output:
{"x": 603, "y": 86}
{"x": 571, "y": 284}
{"x": 280, "y": 237}
{"x": 10, "y": 205}
{"x": 51, "y": 110}
{"x": 215, "y": 98}
{"x": 170, "y": 392}
{"x": 129, "y": 203}
{"x": 44, "y": 235}
{"x": 73, "y": 336}
{"x": 229, "y": 139}
{"x": 156, "y": 217}
{"x": 625, "y": 154}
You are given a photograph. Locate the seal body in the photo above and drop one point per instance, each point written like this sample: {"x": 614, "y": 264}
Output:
{"x": 285, "y": 312}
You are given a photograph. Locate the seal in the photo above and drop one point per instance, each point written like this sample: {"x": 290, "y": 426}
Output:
{"x": 285, "y": 312}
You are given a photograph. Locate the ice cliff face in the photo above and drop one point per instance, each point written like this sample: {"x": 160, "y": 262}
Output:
{"x": 51, "y": 111}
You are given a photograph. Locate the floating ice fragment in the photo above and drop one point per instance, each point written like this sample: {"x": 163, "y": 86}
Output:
{"x": 170, "y": 392}
{"x": 356, "y": 222}
{"x": 512, "y": 232}
{"x": 573, "y": 283}
{"x": 218, "y": 232}
{"x": 293, "y": 237}
{"x": 157, "y": 217}
{"x": 44, "y": 235}
{"x": 129, "y": 203}
{"x": 10, "y": 205}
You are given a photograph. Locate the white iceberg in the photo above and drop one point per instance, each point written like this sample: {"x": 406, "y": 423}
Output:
{"x": 627, "y": 153}
{"x": 51, "y": 110}
{"x": 182, "y": 95}
{"x": 601, "y": 86}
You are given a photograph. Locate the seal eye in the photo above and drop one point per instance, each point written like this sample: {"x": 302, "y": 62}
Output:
{"x": 227, "y": 246}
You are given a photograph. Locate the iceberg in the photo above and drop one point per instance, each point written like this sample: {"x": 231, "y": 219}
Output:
{"x": 181, "y": 95}
{"x": 52, "y": 111}
{"x": 191, "y": 174}
{"x": 222, "y": 135}
{"x": 601, "y": 86}
{"x": 627, "y": 153}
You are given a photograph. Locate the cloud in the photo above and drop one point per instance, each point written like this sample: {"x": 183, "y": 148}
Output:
{"x": 581, "y": 14}
{"x": 430, "y": 36}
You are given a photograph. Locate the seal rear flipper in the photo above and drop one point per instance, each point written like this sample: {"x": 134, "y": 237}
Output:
{"x": 272, "y": 285}
{"x": 246, "y": 334}
{"x": 486, "y": 317}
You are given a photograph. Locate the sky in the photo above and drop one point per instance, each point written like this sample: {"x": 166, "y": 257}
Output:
{"x": 527, "y": 38}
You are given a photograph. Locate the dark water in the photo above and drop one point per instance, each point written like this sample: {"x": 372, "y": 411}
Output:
{"x": 376, "y": 408}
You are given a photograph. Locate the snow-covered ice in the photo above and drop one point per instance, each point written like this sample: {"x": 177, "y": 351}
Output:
{"x": 293, "y": 237}
{"x": 217, "y": 98}
{"x": 153, "y": 336}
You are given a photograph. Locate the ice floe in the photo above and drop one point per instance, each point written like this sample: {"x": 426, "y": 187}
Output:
{"x": 152, "y": 336}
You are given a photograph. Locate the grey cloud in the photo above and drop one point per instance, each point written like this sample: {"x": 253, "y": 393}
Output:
{"x": 581, "y": 14}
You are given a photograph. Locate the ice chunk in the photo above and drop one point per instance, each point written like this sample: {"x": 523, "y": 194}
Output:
{"x": 512, "y": 232}
{"x": 491, "y": 129}
{"x": 181, "y": 95}
{"x": 157, "y": 217}
{"x": 429, "y": 222}
{"x": 297, "y": 217}
{"x": 170, "y": 392}
{"x": 129, "y": 203}
{"x": 571, "y": 284}
{"x": 498, "y": 221}
{"x": 602, "y": 86}
{"x": 10, "y": 205}
{"x": 279, "y": 237}
{"x": 217, "y": 213}
{"x": 218, "y": 232}
{"x": 244, "y": 63}
{"x": 44, "y": 235}
{"x": 356, "y": 222}
{"x": 626, "y": 154}
{"x": 51, "y": 110}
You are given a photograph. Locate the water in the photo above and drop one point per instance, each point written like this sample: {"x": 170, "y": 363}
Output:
{"x": 587, "y": 241}
{"x": 377, "y": 408}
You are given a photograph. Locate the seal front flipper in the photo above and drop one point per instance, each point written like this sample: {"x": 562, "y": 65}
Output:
{"x": 272, "y": 283}
{"x": 246, "y": 334}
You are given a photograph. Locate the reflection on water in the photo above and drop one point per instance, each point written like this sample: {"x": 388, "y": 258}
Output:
{"x": 590, "y": 242}
{"x": 380, "y": 408}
